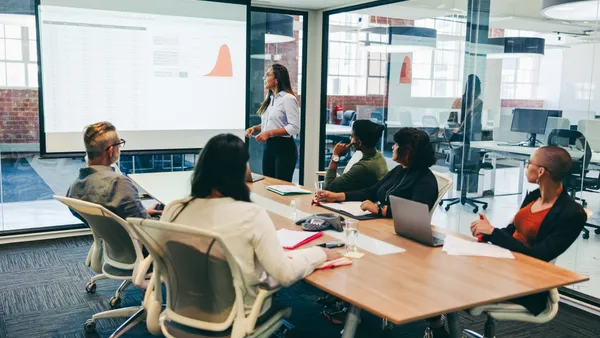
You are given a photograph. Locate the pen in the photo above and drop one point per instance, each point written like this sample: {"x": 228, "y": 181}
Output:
{"x": 480, "y": 237}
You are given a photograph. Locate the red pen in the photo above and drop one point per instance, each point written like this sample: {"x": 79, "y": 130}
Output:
{"x": 480, "y": 237}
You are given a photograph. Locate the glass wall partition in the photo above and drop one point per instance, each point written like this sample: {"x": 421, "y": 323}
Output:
{"x": 489, "y": 83}
{"x": 276, "y": 38}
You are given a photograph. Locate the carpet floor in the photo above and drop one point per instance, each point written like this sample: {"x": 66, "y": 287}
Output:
{"x": 42, "y": 294}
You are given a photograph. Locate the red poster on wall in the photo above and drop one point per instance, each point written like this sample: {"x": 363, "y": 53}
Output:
{"x": 406, "y": 72}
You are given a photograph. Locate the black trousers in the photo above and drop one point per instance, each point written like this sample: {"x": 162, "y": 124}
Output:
{"x": 279, "y": 158}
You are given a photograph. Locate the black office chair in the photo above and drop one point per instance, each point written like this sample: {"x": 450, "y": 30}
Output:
{"x": 577, "y": 178}
{"x": 465, "y": 167}
{"x": 377, "y": 116}
{"x": 348, "y": 117}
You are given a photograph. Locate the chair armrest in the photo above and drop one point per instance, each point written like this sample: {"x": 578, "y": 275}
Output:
{"x": 321, "y": 173}
{"x": 263, "y": 294}
{"x": 141, "y": 272}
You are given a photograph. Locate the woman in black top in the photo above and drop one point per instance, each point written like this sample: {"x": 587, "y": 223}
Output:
{"x": 411, "y": 180}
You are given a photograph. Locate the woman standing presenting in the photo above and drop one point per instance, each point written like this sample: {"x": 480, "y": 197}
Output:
{"x": 280, "y": 121}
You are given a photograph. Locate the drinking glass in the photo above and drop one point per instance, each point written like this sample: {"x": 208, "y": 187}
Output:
{"x": 351, "y": 233}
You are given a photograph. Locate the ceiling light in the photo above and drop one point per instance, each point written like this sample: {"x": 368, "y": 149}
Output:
{"x": 278, "y": 28}
{"x": 517, "y": 47}
{"x": 401, "y": 39}
{"x": 572, "y": 10}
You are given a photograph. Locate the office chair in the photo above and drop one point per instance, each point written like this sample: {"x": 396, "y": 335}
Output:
{"x": 575, "y": 142}
{"x": 377, "y": 116}
{"x": 348, "y": 117}
{"x": 512, "y": 312}
{"x": 460, "y": 165}
{"x": 123, "y": 259}
{"x": 205, "y": 289}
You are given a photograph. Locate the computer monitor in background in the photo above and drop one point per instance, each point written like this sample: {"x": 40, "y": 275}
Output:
{"x": 554, "y": 113}
{"x": 531, "y": 121}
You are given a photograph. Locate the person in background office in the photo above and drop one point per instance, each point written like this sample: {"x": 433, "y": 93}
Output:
{"x": 220, "y": 202}
{"x": 280, "y": 122}
{"x": 368, "y": 170}
{"x": 99, "y": 182}
{"x": 471, "y": 107}
{"x": 548, "y": 222}
{"x": 412, "y": 179}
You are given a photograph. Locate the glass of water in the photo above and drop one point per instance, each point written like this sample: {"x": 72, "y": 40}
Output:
{"x": 351, "y": 233}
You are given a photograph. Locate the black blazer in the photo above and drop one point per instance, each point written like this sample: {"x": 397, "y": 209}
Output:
{"x": 419, "y": 185}
{"x": 559, "y": 229}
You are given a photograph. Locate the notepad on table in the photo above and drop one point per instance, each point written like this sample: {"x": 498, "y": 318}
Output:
{"x": 461, "y": 247}
{"x": 285, "y": 190}
{"x": 335, "y": 263}
{"x": 352, "y": 208}
{"x": 291, "y": 239}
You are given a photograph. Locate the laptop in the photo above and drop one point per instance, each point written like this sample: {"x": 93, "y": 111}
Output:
{"x": 411, "y": 220}
{"x": 252, "y": 177}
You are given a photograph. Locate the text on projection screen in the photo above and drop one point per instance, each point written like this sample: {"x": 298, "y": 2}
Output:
{"x": 165, "y": 82}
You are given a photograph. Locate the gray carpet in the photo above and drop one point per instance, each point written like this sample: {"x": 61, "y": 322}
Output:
{"x": 42, "y": 294}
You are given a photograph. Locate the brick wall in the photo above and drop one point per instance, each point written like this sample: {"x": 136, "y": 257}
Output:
{"x": 350, "y": 102}
{"x": 19, "y": 121}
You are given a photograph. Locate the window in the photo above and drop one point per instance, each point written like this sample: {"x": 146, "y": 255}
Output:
{"x": 18, "y": 55}
{"x": 438, "y": 73}
{"x": 520, "y": 76}
{"x": 352, "y": 69}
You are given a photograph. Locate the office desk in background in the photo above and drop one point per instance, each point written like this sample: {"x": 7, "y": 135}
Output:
{"x": 336, "y": 129}
{"x": 499, "y": 150}
{"x": 419, "y": 283}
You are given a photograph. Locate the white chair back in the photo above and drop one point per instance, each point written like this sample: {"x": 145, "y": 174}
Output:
{"x": 591, "y": 130}
{"x": 444, "y": 183}
{"x": 121, "y": 249}
{"x": 357, "y": 156}
{"x": 203, "y": 280}
{"x": 429, "y": 121}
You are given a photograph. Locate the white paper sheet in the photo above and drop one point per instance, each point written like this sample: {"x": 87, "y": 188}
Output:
{"x": 353, "y": 208}
{"x": 291, "y": 238}
{"x": 461, "y": 247}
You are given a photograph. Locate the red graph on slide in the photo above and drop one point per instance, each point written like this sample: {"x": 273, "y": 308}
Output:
{"x": 223, "y": 67}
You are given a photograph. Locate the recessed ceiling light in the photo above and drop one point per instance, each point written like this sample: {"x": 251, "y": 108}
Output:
{"x": 572, "y": 10}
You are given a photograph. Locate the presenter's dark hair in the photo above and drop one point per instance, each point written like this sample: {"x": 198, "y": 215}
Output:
{"x": 222, "y": 167}
{"x": 284, "y": 84}
{"x": 416, "y": 146}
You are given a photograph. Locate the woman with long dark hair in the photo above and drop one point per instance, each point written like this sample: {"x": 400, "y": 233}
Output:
{"x": 220, "y": 202}
{"x": 280, "y": 122}
{"x": 471, "y": 110}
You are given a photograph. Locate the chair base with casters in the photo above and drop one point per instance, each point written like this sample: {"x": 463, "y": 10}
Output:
{"x": 512, "y": 312}
{"x": 464, "y": 200}
{"x": 586, "y": 232}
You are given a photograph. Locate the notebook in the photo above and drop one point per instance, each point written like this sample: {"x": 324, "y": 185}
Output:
{"x": 291, "y": 239}
{"x": 285, "y": 190}
{"x": 350, "y": 209}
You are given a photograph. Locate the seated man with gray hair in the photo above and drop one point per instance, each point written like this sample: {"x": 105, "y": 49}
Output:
{"x": 99, "y": 182}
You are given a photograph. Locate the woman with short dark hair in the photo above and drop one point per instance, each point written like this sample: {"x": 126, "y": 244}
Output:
{"x": 220, "y": 202}
{"x": 411, "y": 180}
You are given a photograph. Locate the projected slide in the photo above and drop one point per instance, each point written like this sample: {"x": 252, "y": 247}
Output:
{"x": 165, "y": 81}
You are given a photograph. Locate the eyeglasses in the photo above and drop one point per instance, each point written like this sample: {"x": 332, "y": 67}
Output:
{"x": 527, "y": 163}
{"x": 120, "y": 144}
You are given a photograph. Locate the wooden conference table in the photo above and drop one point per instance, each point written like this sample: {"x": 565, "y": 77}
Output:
{"x": 418, "y": 283}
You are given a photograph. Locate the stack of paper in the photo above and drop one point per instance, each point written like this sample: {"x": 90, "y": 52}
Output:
{"x": 290, "y": 239}
{"x": 461, "y": 247}
{"x": 285, "y": 190}
{"x": 352, "y": 208}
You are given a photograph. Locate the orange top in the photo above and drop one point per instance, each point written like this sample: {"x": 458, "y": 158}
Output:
{"x": 528, "y": 223}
